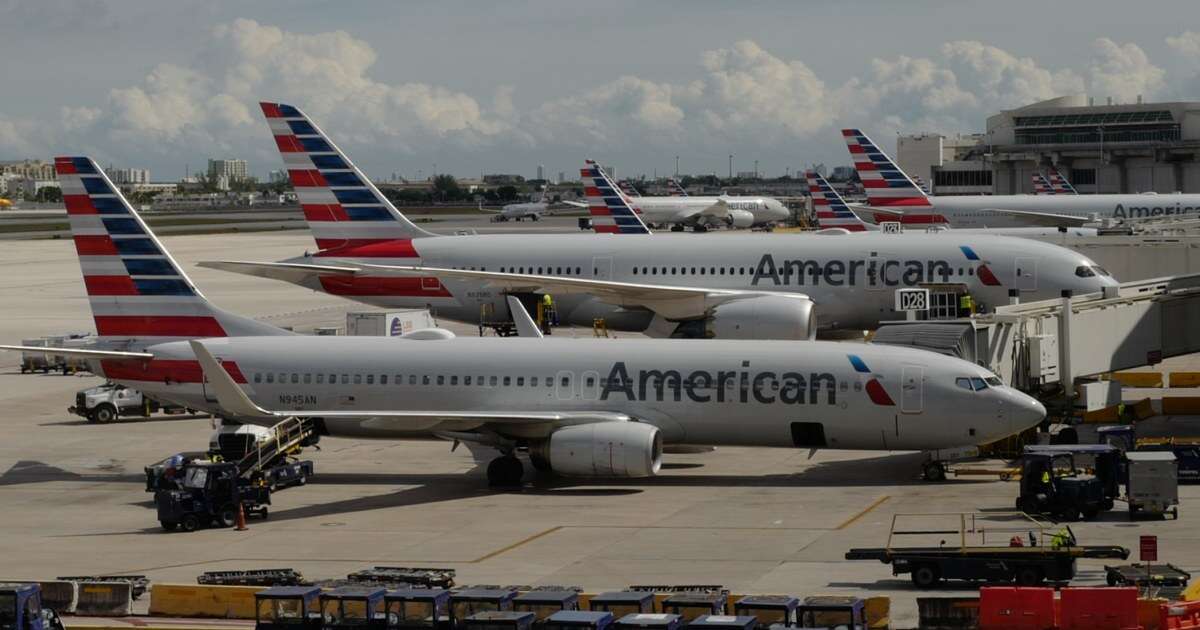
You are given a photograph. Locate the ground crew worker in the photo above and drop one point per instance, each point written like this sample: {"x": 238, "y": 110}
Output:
{"x": 548, "y": 310}
{"x": 966, "y": 305}
{"x": 1062, "y": 538}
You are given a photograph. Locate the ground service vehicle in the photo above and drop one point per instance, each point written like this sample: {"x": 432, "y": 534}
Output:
{"x": 21, "y": 609}
{"x": 209, "y": 495}
{"x": 286, "y": 608}
{"x": 1187, "y": 454}
{"x": 1050, "y": 484}
{"x": 1153, "y": 486}
{"x": 1026, "y": 554}
{"x": 105, "y": 403}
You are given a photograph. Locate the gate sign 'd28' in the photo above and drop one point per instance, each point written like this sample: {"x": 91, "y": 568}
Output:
{"x": 912, "y": 300}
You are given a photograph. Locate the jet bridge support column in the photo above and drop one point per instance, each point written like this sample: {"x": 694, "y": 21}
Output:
{"x": 1065, "y": 374}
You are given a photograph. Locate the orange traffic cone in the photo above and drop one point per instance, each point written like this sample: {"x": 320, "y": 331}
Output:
{"x": 241, "y": 518}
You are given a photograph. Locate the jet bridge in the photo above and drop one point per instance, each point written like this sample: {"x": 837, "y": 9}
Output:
{"x": 1042, "y": 347}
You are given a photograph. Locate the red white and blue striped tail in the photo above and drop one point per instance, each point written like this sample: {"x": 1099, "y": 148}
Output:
{"x": 611, "y": 211}
{"x": 1041, "y": 185}
{"x": 886, "y": 185}
{"x": 675, "y": 189}
{"x": 139, "y": 295}
{"x": 627, "y": 187}
{"x": 1060, "y": 185}
{"x": 343, "y": 208}
{"x": 830, "y": 208}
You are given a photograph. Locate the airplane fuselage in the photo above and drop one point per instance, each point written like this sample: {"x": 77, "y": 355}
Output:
{"x": 979, "y": 211}
{"x": 852, "y": 281}
{"x": 684, "y": 209}
{"x": 750, "y": 393}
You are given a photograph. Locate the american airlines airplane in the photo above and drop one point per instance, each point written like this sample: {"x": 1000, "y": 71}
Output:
{"x": 735, "y": 286}
{"x": 834, "y": 214}
{"x": 576, "y": 407}
{"x": 680, "y": 210}
{"x": 892, "y": 196}
{"x": 532, "y": 210}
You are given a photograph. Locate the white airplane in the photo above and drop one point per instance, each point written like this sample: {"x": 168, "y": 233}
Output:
{"x": 738, "y": 286}
{"x": 532, "y": 210}
{"x": 576, "y": 407}
{"x": 893, "y": 196}
{"x": 835, "y": 215}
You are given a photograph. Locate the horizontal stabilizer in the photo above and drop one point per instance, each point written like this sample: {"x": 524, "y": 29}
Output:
{"x": 78, "y": 352}
{"x": 288, "y": 272}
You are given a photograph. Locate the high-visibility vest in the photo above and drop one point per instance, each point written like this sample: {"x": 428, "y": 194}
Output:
{"x": 547, "y": 300}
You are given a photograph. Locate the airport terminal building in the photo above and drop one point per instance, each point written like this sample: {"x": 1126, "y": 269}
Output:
{"x": 1109, "y": 148}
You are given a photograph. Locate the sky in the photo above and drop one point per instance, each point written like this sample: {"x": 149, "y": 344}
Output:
{"x": 472, "y": 87}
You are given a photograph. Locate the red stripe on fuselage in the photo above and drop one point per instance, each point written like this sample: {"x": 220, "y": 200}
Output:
{"x": 357, "y": 248}
{"x": 165, "y": 370}
{"x": 384, "y": 286}
{"x": 95, "y": 245}
{"x": 158, "y": 326}
{"x": 109, "y": 285}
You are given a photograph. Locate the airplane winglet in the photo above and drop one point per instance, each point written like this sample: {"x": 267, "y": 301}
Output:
{"x": 230, "y": 397}
{"x": 525, "y": 325}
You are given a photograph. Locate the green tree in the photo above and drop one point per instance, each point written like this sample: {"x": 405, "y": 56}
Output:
{"x": 506, "y": 193}
{"x": 50, "y": 194}
{"x": 446, "y": 188}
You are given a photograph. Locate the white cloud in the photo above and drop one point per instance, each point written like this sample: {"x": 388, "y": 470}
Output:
{"x": 1003, "y": 80}
{"x": 1123, "y": 72}
{"x": 1186, "y": 44}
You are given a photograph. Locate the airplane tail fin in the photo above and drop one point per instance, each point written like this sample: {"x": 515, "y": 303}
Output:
{"x": 1041, "y": 186}
{"x": 139, "y": 295}
{"x": 885, "y": 183}
{"x": 627, "y": 188}
{"x": 611, "y": 212}
{"x": 675, "y": 189}
{"x": 343, "y": 208}
{"x": 1060, "y": 185}
{"x": 830, "y": 208}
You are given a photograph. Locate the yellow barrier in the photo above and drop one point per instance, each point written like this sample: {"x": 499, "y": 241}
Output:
{"x": 186, "y": 600}
{"x": 1180, "y": 405}
{"x": 879, "y": 612}
{"x": 1139, "y": 379}
{"x": 1184, "y": 379}
{"x": 1148, "y": 613}
{"x": 1192, "y": 592}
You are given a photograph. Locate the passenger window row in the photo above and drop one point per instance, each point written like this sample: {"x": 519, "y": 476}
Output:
{"x": 413, "y": 380}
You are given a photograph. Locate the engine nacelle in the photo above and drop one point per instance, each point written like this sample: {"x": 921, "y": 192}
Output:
{"x": 603, "y": 449}
{"x": 740, "y": 218}
{"x": 766, "y": 317}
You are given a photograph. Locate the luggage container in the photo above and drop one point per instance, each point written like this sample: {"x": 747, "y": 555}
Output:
{"x": 691, "y": 605}
{"x": 468, "y": 601}
{"x": 546, "y": 603}
{"x": 723, "y": 622}
{"x": 417, "y": 608}
{"x": 1153, "y": 486}
{"x": 500, "y": 620}
{"x": 649, "y": 621}
{"x": 387, "y": 324}
{"x": 578, "y": 620}
{"x": 621, "y": 603}
{"x": 768, "y": 609}
{"x": 830, "y": 612}
{"x": 353, "y": 607}
{"x": 286, "y": 608}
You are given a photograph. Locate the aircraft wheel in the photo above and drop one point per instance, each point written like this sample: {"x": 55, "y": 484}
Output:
{"x": 676, "y": 228}
{"x": 534, "y": 217}
{"x": 934, "y": 471}
{"x": 505, "y": 472}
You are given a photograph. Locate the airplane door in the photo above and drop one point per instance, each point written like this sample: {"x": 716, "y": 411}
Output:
{"x": 912, "y": 395}
{"x": 1026, "y": 274}
{"x": 602, "y": 267}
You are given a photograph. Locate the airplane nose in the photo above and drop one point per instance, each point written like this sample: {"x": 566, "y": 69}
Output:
{"x": 1026, "y": 411}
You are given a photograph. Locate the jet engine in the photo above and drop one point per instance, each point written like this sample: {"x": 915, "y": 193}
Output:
{"x": 740, "y": 218}
{"x": 603, "y": 449}
{"x": 766, "y": 317}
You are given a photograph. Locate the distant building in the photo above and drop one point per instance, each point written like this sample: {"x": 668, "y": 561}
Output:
{"x": 541, "y": 171}
{"x": 502, "y": 179}
{"x": 231, "y": 170}
{"x": 953, "y": 164}
{"x": 28, "y": 169}
{"x": 30, "y": 187}
{"x": 121, "y": 176}
{"x": 281, "y": 177}
{"x": 841, "y": 173}
{"x": 562, "y": 177}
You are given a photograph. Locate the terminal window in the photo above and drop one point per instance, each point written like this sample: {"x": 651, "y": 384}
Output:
{"x": 962, "y": 178}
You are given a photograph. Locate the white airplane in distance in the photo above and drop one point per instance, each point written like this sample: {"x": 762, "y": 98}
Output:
{"x": 893, "y": 196}
{"x": 576, "y": 407}
{"x": 737, "y": 286}
{"x": 835, "y": 215}
{"x": 532, "y": 210}
{"x": 627, "y": 187}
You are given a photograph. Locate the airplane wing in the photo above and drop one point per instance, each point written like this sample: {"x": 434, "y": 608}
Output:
{"x": 233, "y": 400}
{"x": 671, "y": 302}
{"x": 576, "y": 204}
{"x": 1047, "y": 219}
{"x": 81, "y": 353}
{"x": 858, "y": 207}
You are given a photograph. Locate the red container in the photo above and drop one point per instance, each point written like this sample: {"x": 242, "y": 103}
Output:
{"x": 1179, "y": 616}
{"x": 1016, "y": 608}
{"x": 1099, "y": 608}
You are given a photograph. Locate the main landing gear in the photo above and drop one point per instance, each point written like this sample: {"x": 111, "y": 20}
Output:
{"x": 505, "y": 472}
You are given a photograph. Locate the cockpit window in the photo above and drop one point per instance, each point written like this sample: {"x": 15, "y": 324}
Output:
{"x": 964, "y": 383}
{"x": 974, "y": 383}
{"x": 994, "y": 381}
{"x": 1101, "y": 270}
{"x": 978, "y": 384}
{"x": 1084, "y": 271}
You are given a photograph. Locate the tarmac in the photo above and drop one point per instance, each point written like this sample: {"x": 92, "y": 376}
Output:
{"x": 757, "y": 521}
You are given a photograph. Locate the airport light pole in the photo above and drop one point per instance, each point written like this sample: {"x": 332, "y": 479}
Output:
{"x": 676, "y": 167}
{"x": 731, "y": 166}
